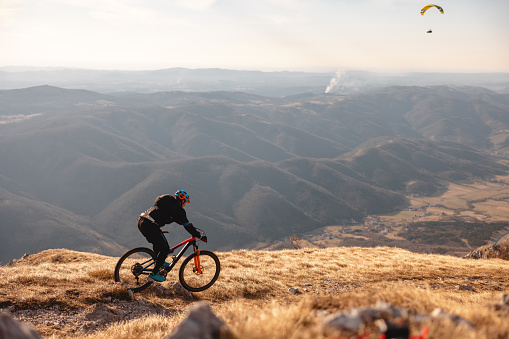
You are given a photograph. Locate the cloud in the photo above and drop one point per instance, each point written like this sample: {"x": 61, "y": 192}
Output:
{"x": 8, "y": 12}
{"x": 196, "y": 5}
{"x": 133, "y": 13}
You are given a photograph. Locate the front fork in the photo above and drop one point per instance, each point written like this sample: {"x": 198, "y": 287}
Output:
{"x": 197, "y": 266}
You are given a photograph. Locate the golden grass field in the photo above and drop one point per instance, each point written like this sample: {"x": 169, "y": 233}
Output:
{"x": 481, "y": 200}
{"x": 252, "y": 297}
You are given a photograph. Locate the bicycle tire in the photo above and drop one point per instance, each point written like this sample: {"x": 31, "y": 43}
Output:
{"x": 126, "y": 272}
{"x": 197, "y": 282}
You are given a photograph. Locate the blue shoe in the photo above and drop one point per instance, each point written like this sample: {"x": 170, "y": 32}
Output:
{"x": 166, "y": 265}
{"x": 156, "y": 277}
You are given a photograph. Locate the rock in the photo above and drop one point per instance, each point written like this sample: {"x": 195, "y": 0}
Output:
{"x": 145, "y": 304}
{"x": 383, "y": 309}
{"x": 350, "y": 321}
{"x": 158, "y": 288}
{"x": 353, "y": 319}
{"x": 178, "y": 289}
{"x": 100, "y": 313}
{"x": 489, "y": 251}
{"x": 466, "y": 288}
{"x": 174, "y": 288}
{"x": 438, "y": 313}
{"x": 13, "y": 329}
{"x": 200, "y": 323}
{"x": 503, "y": 304}
{"x": 294, "y": 290}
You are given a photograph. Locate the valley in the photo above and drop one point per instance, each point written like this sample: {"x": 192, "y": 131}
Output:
{"x": 484, "y": 204}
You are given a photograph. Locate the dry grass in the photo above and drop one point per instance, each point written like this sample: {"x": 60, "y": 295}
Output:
{"x": 142, "y": 328}
{"x": 252, "y": 294}
{"x": 490, "y": 202}
{"x": 59, "y": 277}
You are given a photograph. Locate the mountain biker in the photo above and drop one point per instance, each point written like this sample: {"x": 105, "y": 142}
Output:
{"x": 167, "y": 209}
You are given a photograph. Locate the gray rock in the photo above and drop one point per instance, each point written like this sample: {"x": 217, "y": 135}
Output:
{"x": 350, "y": 321}
{"x": 201, "y": 323}
{"x": 438, "y": 313}
{"x": 13, "y": 329}
{"x": 466, "y": 288}
{"x": 178, "y": 289}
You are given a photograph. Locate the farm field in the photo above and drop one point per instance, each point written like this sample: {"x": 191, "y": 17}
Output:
{"x": 481, "y": 200}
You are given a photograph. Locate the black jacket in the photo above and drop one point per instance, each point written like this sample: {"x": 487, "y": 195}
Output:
{"x": 167, "y": 210}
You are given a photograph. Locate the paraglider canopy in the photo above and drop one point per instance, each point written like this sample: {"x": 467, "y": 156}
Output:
{"x": 425, "y": 8}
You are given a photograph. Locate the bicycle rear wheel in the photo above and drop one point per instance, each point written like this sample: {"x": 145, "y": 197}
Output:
{"x": 199, "y": 272}
{"x": 133, "y": 268}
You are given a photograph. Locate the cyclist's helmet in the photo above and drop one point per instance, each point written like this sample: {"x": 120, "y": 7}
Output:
{"x": 182, "y": 197}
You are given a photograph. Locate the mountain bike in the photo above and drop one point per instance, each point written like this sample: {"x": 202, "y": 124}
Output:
{"x": 198, "y": 271}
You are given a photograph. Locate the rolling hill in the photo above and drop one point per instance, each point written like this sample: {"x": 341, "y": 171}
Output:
{"x": 80, "y": 164}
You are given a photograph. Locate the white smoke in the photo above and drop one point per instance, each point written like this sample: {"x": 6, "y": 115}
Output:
{"x": 350, "y": 82}
{"x": 334, "y": 84}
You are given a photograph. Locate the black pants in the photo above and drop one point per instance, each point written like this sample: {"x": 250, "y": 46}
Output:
{"x": 156, "y": 237}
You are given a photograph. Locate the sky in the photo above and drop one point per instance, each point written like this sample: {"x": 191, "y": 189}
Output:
{"x": 267, "y": 35}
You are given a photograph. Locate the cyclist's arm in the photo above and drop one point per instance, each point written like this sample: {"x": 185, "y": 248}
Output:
{"x": 192, "y": 230}
{"x": 180, "y": 217}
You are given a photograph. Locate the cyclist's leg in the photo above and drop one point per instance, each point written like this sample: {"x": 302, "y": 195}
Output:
{"x": 155, "y": 236}
{"x": 161, "y": 249}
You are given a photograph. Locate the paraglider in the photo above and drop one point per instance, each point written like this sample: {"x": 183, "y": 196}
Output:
{"x": 425, "y": 8}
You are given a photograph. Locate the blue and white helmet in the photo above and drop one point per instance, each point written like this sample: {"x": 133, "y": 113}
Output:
{"x": 183, "y": 197}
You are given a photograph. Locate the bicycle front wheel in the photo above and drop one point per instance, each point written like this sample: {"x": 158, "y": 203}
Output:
{"x": 133, "y": 268}
{"x": 199, "y": 272}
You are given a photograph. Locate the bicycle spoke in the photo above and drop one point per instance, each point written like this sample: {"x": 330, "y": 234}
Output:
{"x": 199, "y": 273}
{"x": 134, "y": 267}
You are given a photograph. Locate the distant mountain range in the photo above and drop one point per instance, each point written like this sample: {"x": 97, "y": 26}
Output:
{"x": 273, "y": 84}
{"x": 78, "y": 166}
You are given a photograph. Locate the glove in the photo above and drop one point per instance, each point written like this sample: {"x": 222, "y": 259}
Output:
{"x": 192, "y": 230}
{"x": 203, "y": 238}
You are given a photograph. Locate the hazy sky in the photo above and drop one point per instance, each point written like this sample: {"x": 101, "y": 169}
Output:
{"x": 310, "y": 35}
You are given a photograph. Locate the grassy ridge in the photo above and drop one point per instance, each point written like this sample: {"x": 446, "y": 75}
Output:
{"x": 252, "y": 294}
